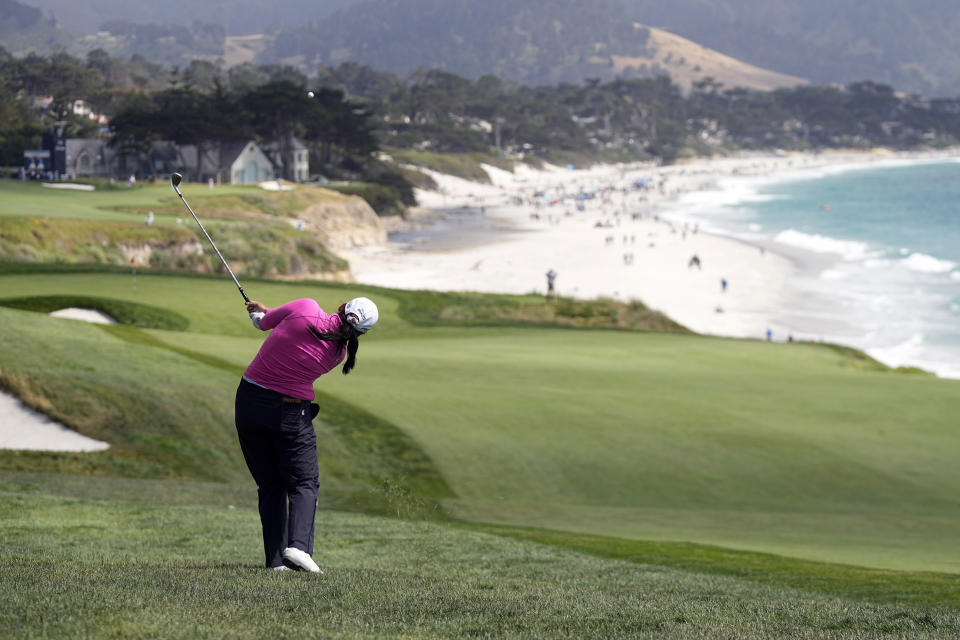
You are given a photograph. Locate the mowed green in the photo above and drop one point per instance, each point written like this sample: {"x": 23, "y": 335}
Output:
{"x": 121, "y": 558}
{"x": 782, "y": 448}
{"x": 115, "y": 204}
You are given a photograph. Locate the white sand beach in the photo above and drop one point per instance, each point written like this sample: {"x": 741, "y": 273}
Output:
{"x": 635, "y": 254}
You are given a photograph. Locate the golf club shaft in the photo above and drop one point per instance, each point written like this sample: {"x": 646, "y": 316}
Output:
{"x": 237, "y": 282}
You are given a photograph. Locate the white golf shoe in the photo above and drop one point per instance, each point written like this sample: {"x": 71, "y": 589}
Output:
{"x": 299, "y": 560}
{"x": 282, "y": 567}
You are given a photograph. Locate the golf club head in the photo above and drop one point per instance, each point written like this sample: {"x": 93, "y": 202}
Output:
{"x": 175, "y": 179}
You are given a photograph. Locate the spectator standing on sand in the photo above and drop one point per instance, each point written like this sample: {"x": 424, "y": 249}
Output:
{"x": 274, "y": 416}
{"x": 551, "y": 279}
{"x": 723, "y": 285}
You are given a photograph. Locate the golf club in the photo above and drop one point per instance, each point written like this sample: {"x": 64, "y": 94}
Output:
{"x": 175, "y": 179}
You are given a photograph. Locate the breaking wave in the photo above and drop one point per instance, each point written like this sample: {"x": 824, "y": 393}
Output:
{"x": 848, "y": 249}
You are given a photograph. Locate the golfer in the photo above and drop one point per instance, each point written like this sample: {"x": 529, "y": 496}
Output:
{"x": 274, "y": 416}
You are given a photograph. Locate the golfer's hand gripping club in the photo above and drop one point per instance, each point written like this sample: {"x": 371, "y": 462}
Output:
{"x": 256, "y": 310}
{"x": 175, "y": 179}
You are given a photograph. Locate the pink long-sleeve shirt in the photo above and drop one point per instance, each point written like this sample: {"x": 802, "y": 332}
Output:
{"x": 291, "y": 358}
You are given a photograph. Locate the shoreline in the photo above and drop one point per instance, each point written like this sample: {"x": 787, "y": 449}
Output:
{"x": 643, "y": 254}
{"x": 827, "y": 299}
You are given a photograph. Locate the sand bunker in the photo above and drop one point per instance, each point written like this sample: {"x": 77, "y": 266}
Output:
{"x": 87, "y": 315}
{"x": 68, "y": 185}
{"x": 26, "y": 429}
{"x": 275, "y": 185}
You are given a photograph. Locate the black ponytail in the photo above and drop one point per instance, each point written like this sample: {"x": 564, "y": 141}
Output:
{"x": 352, "y": 345}
{"x": 346, "y": 334}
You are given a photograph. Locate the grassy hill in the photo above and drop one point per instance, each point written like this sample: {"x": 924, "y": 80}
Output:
{"x": 107, "y": 226}
{"x": 626, "y": 465}
{"x": 771, "y": 447}
{"x": 688, "y": 62}
{"x": 167, "y": 566}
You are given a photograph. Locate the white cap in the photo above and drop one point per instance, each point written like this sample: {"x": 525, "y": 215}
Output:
{"x": 364, "y": 311}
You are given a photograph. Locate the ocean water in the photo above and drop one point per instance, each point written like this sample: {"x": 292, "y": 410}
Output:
{"x": 878, "y": 247}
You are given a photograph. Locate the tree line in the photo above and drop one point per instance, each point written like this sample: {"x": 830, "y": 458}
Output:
{"x": 198, "y": 105}
{"x": 640, "y": 118}
{"x": 357, "y": 110}
{"x": 338, "y": 133}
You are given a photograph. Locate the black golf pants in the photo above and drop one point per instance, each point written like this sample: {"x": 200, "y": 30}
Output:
{"x": 280, "y": 447}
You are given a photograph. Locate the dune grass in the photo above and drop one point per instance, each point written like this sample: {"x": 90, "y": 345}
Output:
{"x": 256, "y": 247}
{"x": 39, "y": 225}
{"x": 30, "y": 199}
{"x": 463, "y": 165}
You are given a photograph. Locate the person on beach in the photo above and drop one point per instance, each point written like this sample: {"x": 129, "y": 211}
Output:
{"x": 274, "y": 415}
{"x": 551, "y": 279}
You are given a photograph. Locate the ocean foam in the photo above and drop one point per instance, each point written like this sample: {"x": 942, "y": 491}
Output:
{"x": 848, "y": 249}
{"x": 899, "y": 354}
{"x": 727, "y": 192}
{"x": 928, "y": 264}
{"x": 833, "y": 274}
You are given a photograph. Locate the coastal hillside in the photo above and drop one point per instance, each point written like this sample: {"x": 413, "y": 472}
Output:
{"x": 688, "y": 62}
{"x": 237, "y": 17}
{"x": 910, "y": 44}
{"x": 532, "y": 42}
{"x": 288, "y": 234}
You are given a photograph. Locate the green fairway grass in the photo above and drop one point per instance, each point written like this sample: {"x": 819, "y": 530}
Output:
{"x": 776, "y": 448}
{"x": 782, "y": 448}
{"x": 537, "y": 480}
{"x": 135, "y": 560}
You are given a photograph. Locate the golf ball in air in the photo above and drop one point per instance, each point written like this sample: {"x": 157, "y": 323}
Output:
{"x": 309, "y": 94}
